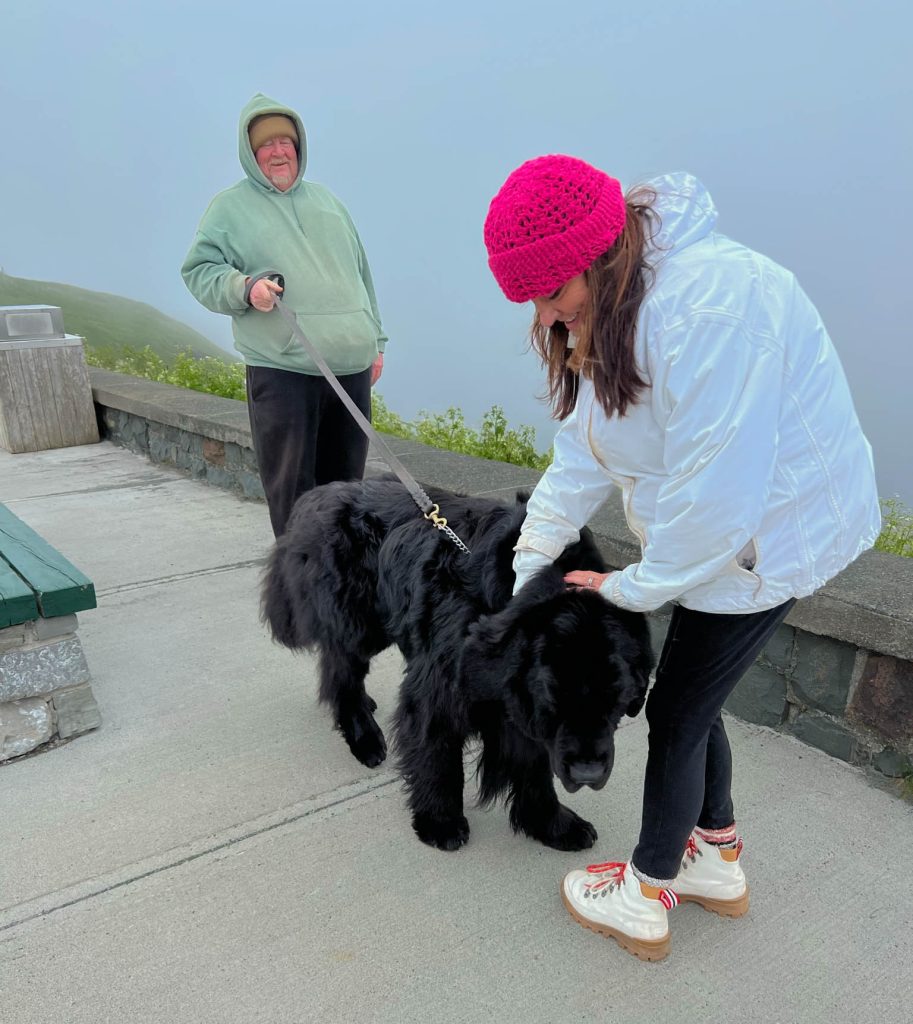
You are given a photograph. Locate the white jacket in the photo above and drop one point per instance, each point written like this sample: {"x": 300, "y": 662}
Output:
{"x": 744, "y": 470}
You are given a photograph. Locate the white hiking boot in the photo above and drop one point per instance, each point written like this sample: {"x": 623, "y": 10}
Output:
{"x": 712, "y": 876}
{"x": 611, "y": 900}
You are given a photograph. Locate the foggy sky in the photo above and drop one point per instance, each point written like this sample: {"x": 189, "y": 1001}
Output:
{"x": 121, "y": 124}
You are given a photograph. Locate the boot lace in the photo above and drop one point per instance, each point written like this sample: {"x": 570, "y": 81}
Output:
{"x": 610, "y": 875}
{"x": 692, "y": 852}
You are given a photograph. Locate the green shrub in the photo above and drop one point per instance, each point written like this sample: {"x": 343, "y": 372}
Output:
{"x": 388, "y": 422}
{"x": 186, "y": 371}
{"x": 450, "y": 431}
{"x": 897, "y": 528}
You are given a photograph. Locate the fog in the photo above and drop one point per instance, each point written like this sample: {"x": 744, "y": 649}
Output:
{"x": 121, "y": 124}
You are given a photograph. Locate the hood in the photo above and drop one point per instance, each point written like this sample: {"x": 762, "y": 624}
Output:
{"x": 257, "y": 105}
{"x": 686, "y": 211}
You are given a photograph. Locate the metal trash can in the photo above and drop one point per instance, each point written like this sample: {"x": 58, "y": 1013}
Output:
{"x": 45, "y": 394}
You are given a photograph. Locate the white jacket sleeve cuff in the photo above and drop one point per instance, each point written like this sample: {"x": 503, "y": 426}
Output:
{"x": 536, "y": 544}
{"x": 527, "y": 563}
{"x": 612, "y": 590}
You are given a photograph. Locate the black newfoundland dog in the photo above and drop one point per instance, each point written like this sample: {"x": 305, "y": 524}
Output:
{"x": 542, "y": 678}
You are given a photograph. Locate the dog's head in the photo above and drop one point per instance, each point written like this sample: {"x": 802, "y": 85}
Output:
{"x": 566, "y": 665}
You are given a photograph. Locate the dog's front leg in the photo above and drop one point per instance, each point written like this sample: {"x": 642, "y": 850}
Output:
{"x": 535, "y": 809}
{"x": 431, "y": 761}
{"x": 342, "y": 686}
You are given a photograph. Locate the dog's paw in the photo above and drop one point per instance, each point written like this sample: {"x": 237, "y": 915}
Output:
{"x": 566, "y": 831}
{"x": 444, "y": 834}
{"x": 365, "y": 738}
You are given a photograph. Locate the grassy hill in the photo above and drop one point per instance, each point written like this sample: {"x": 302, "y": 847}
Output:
{"x": 110, "y": 321}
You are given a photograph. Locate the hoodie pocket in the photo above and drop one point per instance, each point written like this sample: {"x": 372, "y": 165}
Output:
{"x": 346, "y": 339}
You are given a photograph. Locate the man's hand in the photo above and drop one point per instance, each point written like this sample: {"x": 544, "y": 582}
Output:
{"x": 586, "y": 580}
{"x": 377, "y": 368}
{"x": 261, "y": 295}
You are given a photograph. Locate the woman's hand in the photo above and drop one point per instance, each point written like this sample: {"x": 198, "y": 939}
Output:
{"x": 584, "y": 579}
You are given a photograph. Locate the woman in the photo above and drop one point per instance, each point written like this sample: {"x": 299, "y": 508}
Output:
{"x": 697, "y": 376}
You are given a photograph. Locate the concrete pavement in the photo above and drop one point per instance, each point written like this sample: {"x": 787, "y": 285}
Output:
{"x": 214, "y": 853}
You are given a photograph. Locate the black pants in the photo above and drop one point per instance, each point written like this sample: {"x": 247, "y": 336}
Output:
{"x": 303, "y": 434}
{"x": 689, "y": 765}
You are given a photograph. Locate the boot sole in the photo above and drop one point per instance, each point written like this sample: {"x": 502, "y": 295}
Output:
{"x": 650, "y": 950}
{"x": 725, "y": 908}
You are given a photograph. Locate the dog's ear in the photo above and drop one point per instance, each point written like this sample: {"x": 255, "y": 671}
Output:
{"x": 643, "y": 661}
{"x": 629, "y": 634}
{"x": 636, "y": 705}
{"x": 491, "y": 657}
{"x": 640, "y": 667}
{"x": 584, "y": 553}
{"x": 498, "y": 648}
{"x": 543, "y": 585}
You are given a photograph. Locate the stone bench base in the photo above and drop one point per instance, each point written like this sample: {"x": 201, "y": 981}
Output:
{"x": 45, "y": 687}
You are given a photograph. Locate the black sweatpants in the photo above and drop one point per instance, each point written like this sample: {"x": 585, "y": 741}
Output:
{"x": 689, "y": 766}
{"x": 303, "y": 434}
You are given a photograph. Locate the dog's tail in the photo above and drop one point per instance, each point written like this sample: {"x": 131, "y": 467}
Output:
{"x": 276, "y": 603}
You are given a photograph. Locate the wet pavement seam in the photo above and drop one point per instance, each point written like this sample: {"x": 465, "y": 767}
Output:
{"x": 180, "y": 577}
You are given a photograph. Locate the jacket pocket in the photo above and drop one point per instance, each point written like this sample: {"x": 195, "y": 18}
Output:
{"x": 746, "y": 563}
{"x": 747, "y": 558}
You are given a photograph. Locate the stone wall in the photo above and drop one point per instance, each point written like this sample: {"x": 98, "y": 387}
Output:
{"x": 45, "y": 688}
{"x": 837, "y": 675}
{"x": 214, "y": 461}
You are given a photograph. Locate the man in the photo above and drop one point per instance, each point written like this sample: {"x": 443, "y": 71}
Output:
{"x": 275, "y": 220}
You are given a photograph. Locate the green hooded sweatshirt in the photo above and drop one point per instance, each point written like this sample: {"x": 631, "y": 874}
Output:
{"x": 307, "y": 235}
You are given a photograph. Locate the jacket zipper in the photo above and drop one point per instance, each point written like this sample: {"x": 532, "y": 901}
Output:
{"x": 627, "y": 490}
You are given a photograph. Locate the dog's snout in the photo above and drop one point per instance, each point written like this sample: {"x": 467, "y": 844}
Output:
{"x": 587, "y": 773}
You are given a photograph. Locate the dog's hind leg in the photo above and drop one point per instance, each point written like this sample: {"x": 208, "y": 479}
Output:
{"x": 342, "y": 686}
{"x": 534, "y": 806}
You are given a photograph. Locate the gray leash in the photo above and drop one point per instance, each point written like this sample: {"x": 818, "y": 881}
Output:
{"x": 429, "y": 509}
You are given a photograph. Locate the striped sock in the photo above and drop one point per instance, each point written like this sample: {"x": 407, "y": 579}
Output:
{"x": 718, "y": 836}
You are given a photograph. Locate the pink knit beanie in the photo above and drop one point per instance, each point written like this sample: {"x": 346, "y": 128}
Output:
{"x": 551, "y": 218}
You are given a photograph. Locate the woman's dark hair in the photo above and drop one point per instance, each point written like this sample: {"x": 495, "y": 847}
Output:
{"x": 604, "y": 351}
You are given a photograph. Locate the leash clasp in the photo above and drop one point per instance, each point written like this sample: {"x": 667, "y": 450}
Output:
{"x": 439, "y": 521}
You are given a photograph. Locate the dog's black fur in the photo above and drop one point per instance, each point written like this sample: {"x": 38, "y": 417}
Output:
{"x": 542, "y": 678}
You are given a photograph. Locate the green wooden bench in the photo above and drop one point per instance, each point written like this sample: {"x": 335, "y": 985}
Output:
{"x": 36, "y": 581}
